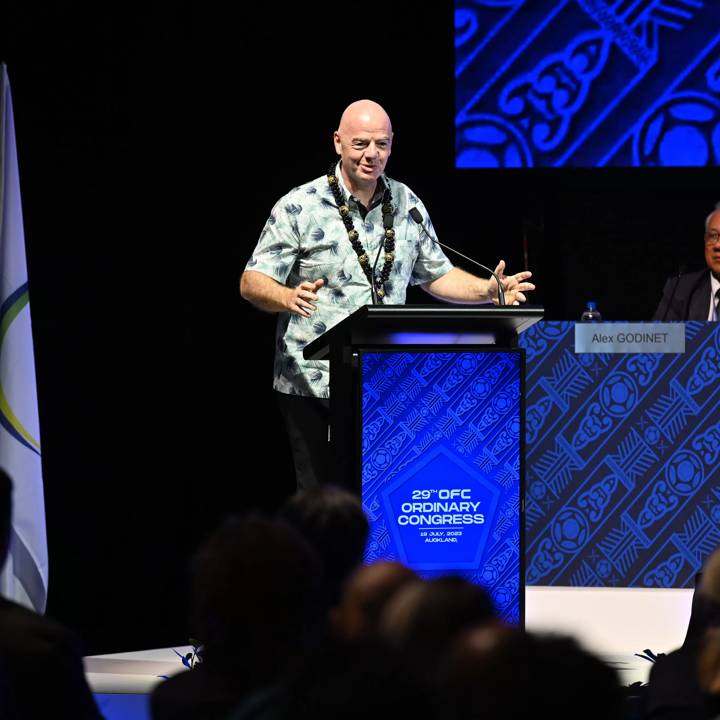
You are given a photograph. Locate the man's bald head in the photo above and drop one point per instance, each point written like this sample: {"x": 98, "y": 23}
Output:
{"x": 712, "y": 248}
{"x": 364, "y": 113}
{"x": 363, "y": 141}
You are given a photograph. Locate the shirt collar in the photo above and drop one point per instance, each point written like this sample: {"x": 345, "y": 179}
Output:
{"x": 714, "y": 284}
{"x": 379, "y": 188}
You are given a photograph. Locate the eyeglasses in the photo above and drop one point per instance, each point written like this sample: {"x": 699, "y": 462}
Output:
{"x": 712, "y": 237}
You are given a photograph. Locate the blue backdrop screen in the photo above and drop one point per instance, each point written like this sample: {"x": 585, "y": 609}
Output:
{"x": 441, "y": 466}
{"x": 587, "y": 83}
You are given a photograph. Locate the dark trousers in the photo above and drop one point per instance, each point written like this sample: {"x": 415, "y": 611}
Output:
{"x": 307, "y": 420}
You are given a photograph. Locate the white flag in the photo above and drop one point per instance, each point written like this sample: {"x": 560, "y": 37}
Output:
{"x": 25, "y": 576}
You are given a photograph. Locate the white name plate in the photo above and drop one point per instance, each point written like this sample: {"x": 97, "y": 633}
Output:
{"x": 606, "y": 337}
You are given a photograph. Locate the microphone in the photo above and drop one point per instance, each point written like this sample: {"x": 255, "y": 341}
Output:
{"x": 416, "y": 215}
{"x": 373, "y": 294}
{"x": 681, "y": 272}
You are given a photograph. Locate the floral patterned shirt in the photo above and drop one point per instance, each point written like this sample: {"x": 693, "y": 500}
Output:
{"x": 305, "y": 239}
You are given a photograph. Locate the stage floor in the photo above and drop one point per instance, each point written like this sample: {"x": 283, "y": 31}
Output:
{"x": 616, "y": 624}
{"x": 122, "y": 682}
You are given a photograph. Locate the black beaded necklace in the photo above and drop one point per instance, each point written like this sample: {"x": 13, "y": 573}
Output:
{"x": 388, "y": 244}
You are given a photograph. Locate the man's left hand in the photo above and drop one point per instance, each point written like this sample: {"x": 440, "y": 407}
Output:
{"x": 514, "y": 286}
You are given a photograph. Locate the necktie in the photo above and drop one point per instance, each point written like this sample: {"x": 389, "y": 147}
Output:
{"x": 716, "y": 300}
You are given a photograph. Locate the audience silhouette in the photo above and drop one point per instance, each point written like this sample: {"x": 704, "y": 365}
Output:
{"x": 366, "y": 593}
{"x": 422, "y": 620}
{"x": 333, "y": 522}
{"x": 256, "y": 589}
{"x": 674, "y": 690}
{"x": 41, "y": 669}
{"x": 295, "y": 628}
{"x": 497, "y": 672}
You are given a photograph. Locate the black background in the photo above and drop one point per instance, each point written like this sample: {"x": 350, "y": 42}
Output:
{"x": 152, "y": 144}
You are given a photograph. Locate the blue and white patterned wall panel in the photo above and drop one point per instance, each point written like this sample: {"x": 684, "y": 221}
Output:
{"x": 441, "y": 466}
{"x": 623, "y": 461}
{"x": 587, "y": 83}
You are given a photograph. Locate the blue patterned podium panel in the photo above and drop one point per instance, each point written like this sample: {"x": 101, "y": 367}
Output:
{"x": 587, "y": 83}
{"x": 622, "y": 465}
{"x": 441, "y": 465}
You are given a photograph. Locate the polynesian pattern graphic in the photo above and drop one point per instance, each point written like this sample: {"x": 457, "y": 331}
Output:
{"x": 587, "y": 83}
{"x": 623, "y": 458}
{"x": 441, "y": 452}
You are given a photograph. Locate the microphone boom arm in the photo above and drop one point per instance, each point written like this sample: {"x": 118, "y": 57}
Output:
{"x": 417, "y": 217}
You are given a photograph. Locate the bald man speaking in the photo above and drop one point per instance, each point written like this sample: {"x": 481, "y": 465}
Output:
{"x": 314, "y": 265}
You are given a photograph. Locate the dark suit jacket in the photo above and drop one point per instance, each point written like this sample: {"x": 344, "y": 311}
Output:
{"x": 41, "y": 670}
{"x": 685, "y": 297}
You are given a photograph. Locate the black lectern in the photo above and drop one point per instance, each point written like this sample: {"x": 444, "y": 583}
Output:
{"x": 426, "y": 413}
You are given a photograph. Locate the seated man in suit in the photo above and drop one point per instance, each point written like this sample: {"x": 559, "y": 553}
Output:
{"x": 41, "y": 670}
{"x": 695, "y": 296}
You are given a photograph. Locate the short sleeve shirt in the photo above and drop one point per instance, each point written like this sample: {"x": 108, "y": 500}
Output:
{"x": 304, "y": 239}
